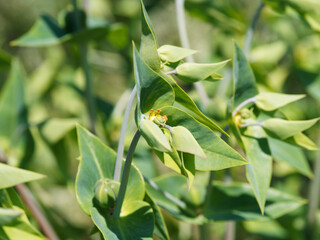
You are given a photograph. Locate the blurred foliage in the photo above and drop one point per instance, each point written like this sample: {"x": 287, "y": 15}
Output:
{"x": 284, "y": 58}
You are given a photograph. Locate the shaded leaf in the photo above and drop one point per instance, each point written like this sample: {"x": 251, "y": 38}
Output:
{"x": 290, "y": 154}
{"x": 259, "y": 169}
{"x": 193, "y": 72}
{"x": 160, "y": 226}
{"x": 12, "y": 176}
{"x": 271, "y": 101}
{"x": 152, "y": 90}
{"x": 284, "y": 129}
{"x": 136, "y": 222}
{"x": 244, "y": 83}
{"x": 169, "y": 53}
{"x": 149, "y": 45}
{"x": 236, "y": 202}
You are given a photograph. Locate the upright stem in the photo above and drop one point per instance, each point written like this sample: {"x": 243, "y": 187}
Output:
{"x": 117, "y": 170}
{"x": 85, "y": 67}
{"x": 314, "y": 193}
{"x": 185, "y": 44}
{"x": 125, "y": 175}
{"x": 249, "y": 34}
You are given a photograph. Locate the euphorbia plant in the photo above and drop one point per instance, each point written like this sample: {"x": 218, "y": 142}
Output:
{"x": 185, "y": 140}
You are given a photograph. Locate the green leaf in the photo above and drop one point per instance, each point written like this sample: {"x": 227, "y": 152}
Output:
{"x": 21, "y": 228}
{"x": 193, "y": 72}
{"x": 303, "y": 141}
{"x": 152, "y": 90}
{"x": 7, "y": 215}
{"x": 290, "y": 154}
{"x": 12, "y": 176}
{"x": 175, "y": 185}
{"x": 56, "y": 128}
{"x": 284, "y": 129}
{"x": 219, "y": 154}
{"x": 243, "y": 78}
{"x": 13, "y": 120}
{"x": 160, "y": 225}
{"x": 154, "y": 136}
{"x": 149, "y": 45}
{"x": 185, "y": 103}
{"x": 136, "y": 222}
{"x": 271, "y": 101}
{"x": 259, "y": 169}
{"x": 182, "y": 140}
{"x": 188, "y": 163}
{"x": 269, "y": 53}
{"x": 98, "y": 161}
{"x": 45, "y": 32}
{"x": 236, "y": 202}
{"x": 169, "y": 53}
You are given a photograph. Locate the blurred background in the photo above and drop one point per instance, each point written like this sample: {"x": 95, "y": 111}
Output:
{"x": 285, "y": 57}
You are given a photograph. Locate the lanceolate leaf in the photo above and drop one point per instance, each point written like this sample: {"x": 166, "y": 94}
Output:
{"x": 193, "y": 72}
{"x": 11, "y": 176}
{"x": 173, "y": 54}
{"x": 236, "y": 201}
{"x": 303, "y": 141}
{"x": 97, "y": 161}
{"x": 149, "y": 45}
{"x": 284, "y": 129}
{"x": 185, "y": 103}
{"x": 259, "y": 169}
{"x": 152, "y": 91}
{"x": 154, "y": 136}
{"x": 285, "y": 152}
{"x": 219, "y": 154}
{"x": 271, "y": 101}
{"x": 243, "y": 78}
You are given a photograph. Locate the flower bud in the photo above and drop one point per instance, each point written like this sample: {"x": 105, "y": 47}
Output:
{"x": 106, "y": 191}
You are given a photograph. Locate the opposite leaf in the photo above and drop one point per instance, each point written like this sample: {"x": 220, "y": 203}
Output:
{"x": 193, "y": 72}
{"x": 183, "y": 140}
{"x": 284, "y": 129}
{"x": 154, "y": 136}
{"x": 11, "y": 176}
{"x": 271, "y": 101}
{"x": 169, "y": 53}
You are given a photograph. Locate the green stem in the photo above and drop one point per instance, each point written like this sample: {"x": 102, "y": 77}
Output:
{"x": 249, "y": 34}
{"x": 125, "y": 175}
{"x": 117, "y": 170}
{"x": 85, "y": 67}
{"x": 185, "y": 44}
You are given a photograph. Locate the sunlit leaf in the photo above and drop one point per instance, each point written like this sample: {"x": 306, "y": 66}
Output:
{"x": 271, "y": 101}
{"x": 284, "y": 129}
{"x": 174, "y": 54}
{"x": 12, "y": 176}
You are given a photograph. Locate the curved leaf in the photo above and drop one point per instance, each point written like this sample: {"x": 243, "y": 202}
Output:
{"x": 7, "y": 215}
{"x": 98, "y": 161}
{"x": 269, "y": 101}
{"x": 284, "y": 129}
{"x": 169, "y": 53}
{"x": 193, "y": 72}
